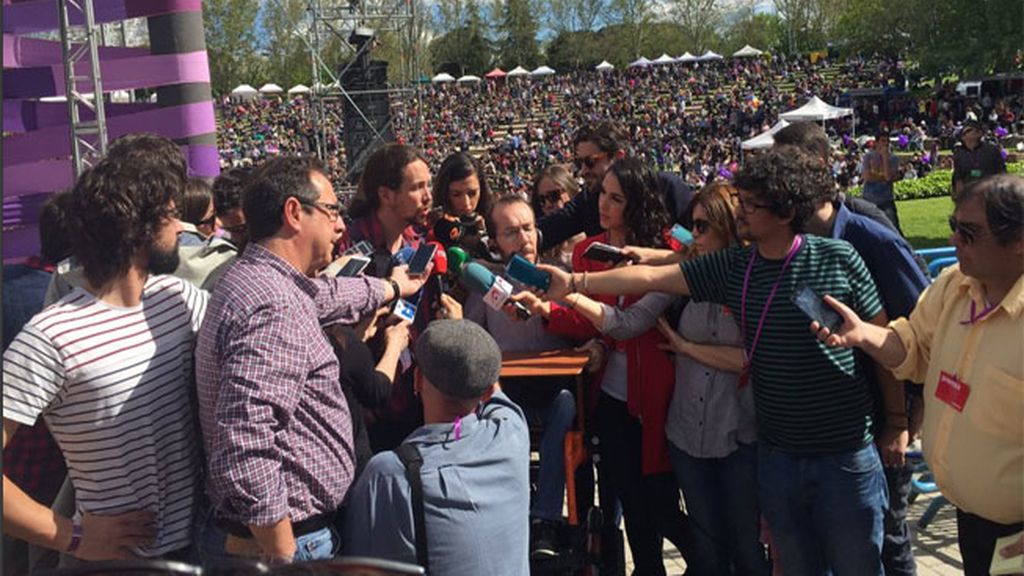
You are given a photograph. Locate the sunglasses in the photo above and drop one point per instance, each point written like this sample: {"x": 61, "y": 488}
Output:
{"x": 701, "y": 226}
{"x": 551, "y": 197}
{"x": 967, "y": 231}
{"x": 588, "y": 161}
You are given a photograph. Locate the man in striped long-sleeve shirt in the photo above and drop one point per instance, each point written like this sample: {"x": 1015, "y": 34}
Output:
{"x": 108, "y": 367}
{"x": 276, "y": 427}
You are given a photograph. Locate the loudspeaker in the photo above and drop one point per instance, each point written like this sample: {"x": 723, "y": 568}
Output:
{"x": 367, "y": 88}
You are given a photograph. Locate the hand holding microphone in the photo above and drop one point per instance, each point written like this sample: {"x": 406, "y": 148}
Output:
{"x": 495, "y": 289}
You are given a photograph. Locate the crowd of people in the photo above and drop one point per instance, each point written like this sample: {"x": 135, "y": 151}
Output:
{"x": 219, "y": 392}
{"x": 689, "y": 119}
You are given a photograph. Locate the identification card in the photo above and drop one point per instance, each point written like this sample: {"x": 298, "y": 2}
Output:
{"x": 952, "y": 391}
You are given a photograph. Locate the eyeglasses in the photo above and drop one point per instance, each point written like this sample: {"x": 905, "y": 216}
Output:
{"x": 588, "y": 161}
{"x": 332, "y": 211}
{"x": 747, "y": 205}
{"x": 550, "y": 197}
{"x": 967, "y": 231}
{"x": 701, "y": 226}
{"x": 208, "y": 221}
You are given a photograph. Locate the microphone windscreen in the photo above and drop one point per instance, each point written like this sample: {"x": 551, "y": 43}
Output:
{"x": 457, "y": 259}
{"x": 477, "y": 278}
{"x": 440, "y": 259}
{"x": 447, "y": 230}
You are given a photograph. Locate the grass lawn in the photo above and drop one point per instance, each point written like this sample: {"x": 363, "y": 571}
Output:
{"x": 925, "y": 222}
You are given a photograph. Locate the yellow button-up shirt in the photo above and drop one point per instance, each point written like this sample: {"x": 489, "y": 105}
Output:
{"x": 977, "y": 455}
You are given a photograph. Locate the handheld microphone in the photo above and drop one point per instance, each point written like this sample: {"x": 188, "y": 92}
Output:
{"x": 440, "y": 260}
{"x": 448, "y": 230}
{"x": 457, "y": 259}
{"x": 495, "y": 289}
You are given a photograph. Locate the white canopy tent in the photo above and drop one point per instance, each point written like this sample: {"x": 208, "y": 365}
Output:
{"x": 640, "y": 62}
{"x": 664, "y": 59}
{"x": 604, "y": 66}
{"x": 271, "y": 88}
{"x": 244, "y": 91}
{"x": 518, "y": 71}
{"x": 747, "y": 51}
{"x": 765, "y": 139}
{"x": 542, "y": 71}
{"x": 442, "y": 78}
{"x": 686, "y": 58}
{"x": 298, "y": 89}
{"x": 709, "y": 55}
{"x": 468, "y": 79}
{"x": 816, "y": 109}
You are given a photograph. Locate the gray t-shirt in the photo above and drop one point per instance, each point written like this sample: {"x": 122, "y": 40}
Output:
{"x": 878, "y": 192}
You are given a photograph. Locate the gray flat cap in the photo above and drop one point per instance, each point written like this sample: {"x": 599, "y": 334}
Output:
{"x": 458, "y": 357}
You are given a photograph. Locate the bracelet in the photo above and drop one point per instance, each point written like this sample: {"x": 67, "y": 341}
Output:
{"x": 585, "y": 291}
{"x": 76, "y": 535}
{"x": 396, "y": 288}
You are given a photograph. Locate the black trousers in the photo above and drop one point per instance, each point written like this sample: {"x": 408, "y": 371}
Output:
{"x": 977, "y": 537}
{"x": 650, "y": 504}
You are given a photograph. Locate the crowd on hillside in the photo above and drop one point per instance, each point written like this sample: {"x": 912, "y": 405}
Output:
{"x": 685, "y": 118}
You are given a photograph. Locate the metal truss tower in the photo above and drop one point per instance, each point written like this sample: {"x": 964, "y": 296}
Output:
{"x": 82, "y": 78}
{"x": 342, "y": 20}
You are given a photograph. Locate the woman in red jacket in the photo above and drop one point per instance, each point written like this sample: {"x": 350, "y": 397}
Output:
{"x": 634, "y": 387}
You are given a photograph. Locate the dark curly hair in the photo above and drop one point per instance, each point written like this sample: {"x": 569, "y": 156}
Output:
{"x": 271, "y": 185}
{"x": 54, "y": 220}
{"x": 119, "y": 206}
{"x": 608, "y": 136}
{"x": 646, "y": 217}
{"x": 228, "y": 187}
{"x": 788, "y": 182}
{"x": 455, "y": 167}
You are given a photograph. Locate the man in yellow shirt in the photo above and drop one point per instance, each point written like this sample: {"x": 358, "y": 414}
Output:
{"x": 965, "y": 341}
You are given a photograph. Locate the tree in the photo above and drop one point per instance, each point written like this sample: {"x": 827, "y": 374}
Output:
{"x": 464, "y": 48}
{"x": 761, "y": 30}
{"x": 634, "y": 16}
{"x": 699, "y": 20}
{"x": 517, "y": 32}
{"x": 288, "y": 57}
{"x": 574, "y": 15}
{"x": 231, "y": 42}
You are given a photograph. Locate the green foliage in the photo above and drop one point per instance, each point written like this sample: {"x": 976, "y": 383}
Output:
{"x": 937, "y": 183}
{"x": 763, "y": 31}
{"x": 288, "y": 57}
{"x": 231, "y": 43}
{"x": 517, "y": 32}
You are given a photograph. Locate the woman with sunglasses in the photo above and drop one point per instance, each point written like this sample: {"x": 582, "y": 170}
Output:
{"x": 553, "y": 188}
{"x": 461, "y": 198}
{"x": 636, "y": 381}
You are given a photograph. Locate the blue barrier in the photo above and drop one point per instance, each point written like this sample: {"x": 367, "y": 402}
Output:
{"x": 936, "y": 266}
{"x": 933, "y": 253}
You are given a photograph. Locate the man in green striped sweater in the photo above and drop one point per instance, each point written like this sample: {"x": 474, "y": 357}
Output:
{"x": 821, "y": 484}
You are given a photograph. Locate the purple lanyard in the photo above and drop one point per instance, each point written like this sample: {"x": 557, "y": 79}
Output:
{"x": 749, "y": 355}
{"x": 975, "y": 318}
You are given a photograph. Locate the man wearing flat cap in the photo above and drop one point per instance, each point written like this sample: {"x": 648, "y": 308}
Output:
{"x": 474, "y": 447}
{"x": 973, "y": 158}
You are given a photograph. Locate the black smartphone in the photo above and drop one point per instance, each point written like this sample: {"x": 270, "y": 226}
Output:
{"x": 808, "y": 301}
{"x": 601, "y": 252}
{"x": 354, "y": 266}
{"x": 422, "y": 258}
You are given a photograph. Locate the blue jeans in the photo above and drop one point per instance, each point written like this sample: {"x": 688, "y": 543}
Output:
{"x": 319, "y": 545}
{"x": 825, "y": 511}
{"x": 721, "y": 500}
{"x": 557, "y": 417}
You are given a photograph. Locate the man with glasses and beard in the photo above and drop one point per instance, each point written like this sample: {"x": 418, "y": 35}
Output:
{"x": 108, "y": 367}
{"x": 597, "y": 148}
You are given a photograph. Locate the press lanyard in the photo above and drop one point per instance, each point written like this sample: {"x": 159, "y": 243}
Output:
{"x": 748, "y": 355}
{"x": 976, "y": 317}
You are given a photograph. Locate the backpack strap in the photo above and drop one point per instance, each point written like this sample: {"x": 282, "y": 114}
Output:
{"x": 411, "y": 458}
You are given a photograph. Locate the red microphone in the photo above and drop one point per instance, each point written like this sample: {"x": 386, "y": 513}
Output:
{"x": 440, "y": 259}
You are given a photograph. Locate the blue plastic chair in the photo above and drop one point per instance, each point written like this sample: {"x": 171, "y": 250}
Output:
{"x": 923, "y": 482}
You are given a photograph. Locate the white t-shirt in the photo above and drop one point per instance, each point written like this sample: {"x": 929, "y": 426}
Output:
{"x": 115, "y": 387}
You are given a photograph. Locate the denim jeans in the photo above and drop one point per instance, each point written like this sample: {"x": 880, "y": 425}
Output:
{"x": 897, "y": 553}
{"x": 721, "y": 501}
{"x": 825, "y": 511}
{"x": 318, "y": 545}
{"x": 558, "y": 417}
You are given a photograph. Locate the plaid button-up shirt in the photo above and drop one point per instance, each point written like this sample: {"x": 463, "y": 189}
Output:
{"x": 276, "y": 427}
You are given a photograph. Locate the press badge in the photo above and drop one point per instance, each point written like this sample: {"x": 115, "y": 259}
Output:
{"x": 952, "y": 391}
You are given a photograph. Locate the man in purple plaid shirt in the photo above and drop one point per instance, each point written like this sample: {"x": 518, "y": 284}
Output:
{"x": 276, "y": 427}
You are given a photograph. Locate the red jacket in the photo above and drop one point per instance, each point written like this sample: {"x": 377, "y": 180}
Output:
{"x": 650, "y": 372}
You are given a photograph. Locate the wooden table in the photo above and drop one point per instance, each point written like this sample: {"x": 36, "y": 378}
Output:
{"x": 557, "y": 363}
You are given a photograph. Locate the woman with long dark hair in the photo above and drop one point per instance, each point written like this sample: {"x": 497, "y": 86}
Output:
{"x": 461, "y": 194}
{"x": 635, "y": 384}
{"x": 553, "y": 188}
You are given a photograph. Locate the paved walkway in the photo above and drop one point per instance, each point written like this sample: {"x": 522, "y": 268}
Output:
{"x": 934, "y": 547}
